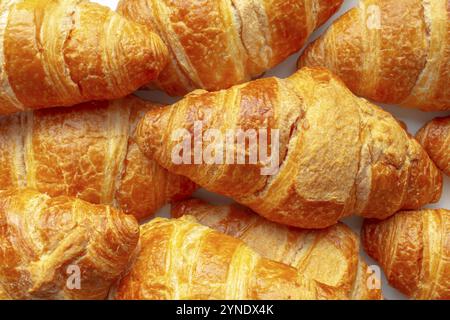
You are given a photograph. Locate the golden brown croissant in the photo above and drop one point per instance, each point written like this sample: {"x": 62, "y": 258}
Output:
{"x": 215, "y": 44}
{"x": 435, "y": 138}
{"x": 330, "y": 256}
{"x": 413, "y": 247}
{"x": 390, "y": 51}
{"x": 60, "y": 53}
{"x": 338, "y": 154}
{"x": 45, "y": 242}
{"x": 181, "y": 259}
{"x": 87, "y": 151}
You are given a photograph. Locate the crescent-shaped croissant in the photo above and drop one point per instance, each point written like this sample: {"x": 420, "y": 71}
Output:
{"x": 330, "y": 256}
{"x": 65, "y": 52}
{"x": 180, "y": 259}
{"x": 61, "y": 248}
{"x": 215, "y": 44}
{"x": 87, "y": 151}
{"x": 337, "y": 154}
{"x": 413, "y": 247}
{"x": 435, "y": 138}
{"x": 390, "y": 51}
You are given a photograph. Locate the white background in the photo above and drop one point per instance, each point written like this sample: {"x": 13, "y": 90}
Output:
{"x": 413, "y": 118}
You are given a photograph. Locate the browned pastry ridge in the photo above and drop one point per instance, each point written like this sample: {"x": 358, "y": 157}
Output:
{"x": 330, "y": 256}
{"x": 214, "y": 44}
{"x": 339, "y": 155}
{"x": 180, "y": 259}
{"x": 87, "y": 151}
{"x": 65, "y": 52}
{"x": 43, "y": 239}
{"x": 390, "y": 51}
{"x": 413, "y": 247}
{"x": 435, "y": 138}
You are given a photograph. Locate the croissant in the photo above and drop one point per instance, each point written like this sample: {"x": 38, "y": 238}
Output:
{"x": 414, "y": 250}
{"x": 330, "y": 256}
{"x": 180, "y": 259}
{"x": 216, "y": 44}
{"x": 87, "y": 151}
{"x": 61, "y": 53}
{"x": 394, "y": 52}
{"x": 338, "y": 154}
{"x": 45, "y": 241}
{"x": 435, "y": 138}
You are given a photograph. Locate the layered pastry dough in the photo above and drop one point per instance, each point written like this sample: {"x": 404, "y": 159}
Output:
{"x": 435, "y": 138}
{"x": 413, "y": 247}
{"x": 87, "y": 151}
{"x": 338, "y": 155}
{"x": 45, "y": 242}
{"x": 330, "y": 256}
{"x": 390, "y": 51}
{"x": 181, "y": 259}
{"x": 215, "y": 44}
{"x": 60, "y": 53}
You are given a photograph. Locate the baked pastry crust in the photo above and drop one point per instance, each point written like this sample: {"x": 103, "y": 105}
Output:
{"x": 339, "y": 155}
{"x": 435, "y": 138}
{"x": 330, "y": 256}
{"x": 180, "y": 259}
{"x": 414, "y": 250}
{"x": 42, "y": 238}
{"x": 65, "y": 52}
{"x": 87, "y": 151}
{"x": 395, "y": 52}
{"x": 216, "y": 44}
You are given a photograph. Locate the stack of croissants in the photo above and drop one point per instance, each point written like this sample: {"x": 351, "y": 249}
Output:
{"x": 85, "y": 165}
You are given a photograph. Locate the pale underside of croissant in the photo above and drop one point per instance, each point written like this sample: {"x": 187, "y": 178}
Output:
{"x": 60, "y": 53}
{"x": 87, "y": 151}
{"x": 435, "y": 138}
{"x": 413, "y": 247}
{"x": 330, "y": 256}
{"x": 216, "y": 44}
{"x": 181, "y": 259}
{"x": 338, "y": 154}
{"x": 390, "y": 51}
{"x": 43, "y": 241}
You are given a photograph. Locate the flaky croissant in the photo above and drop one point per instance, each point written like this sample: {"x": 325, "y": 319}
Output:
{"x": 391, "y": 52}
{"x": 87, "y": 151}
{"x": 64, "y": 52}
{"x": 181, "y": 259}
{"x": 413, "y": 247}
{"x": 215, "y": 44}
{"x": 330, "y": 256}
{"x": 61, "y": 248}
{"x": 338, "y": 154}
{"x": 435, "y": 138}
